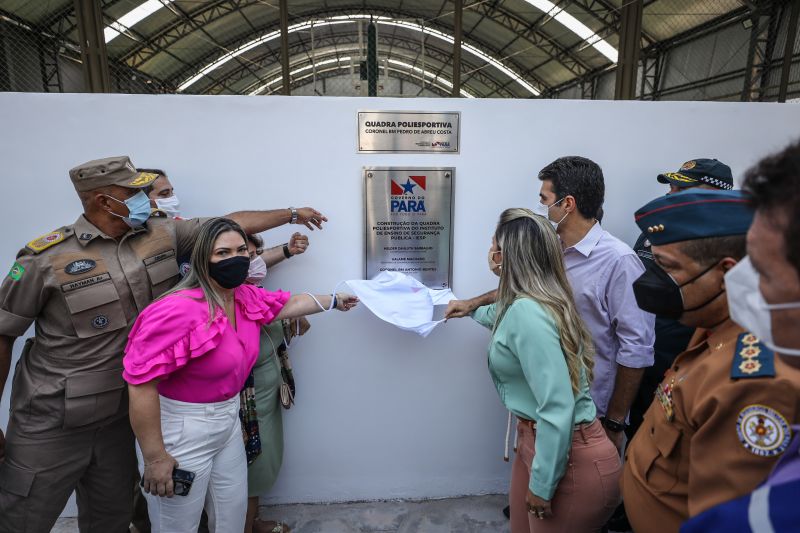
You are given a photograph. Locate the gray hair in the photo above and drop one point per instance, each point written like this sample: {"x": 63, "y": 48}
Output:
{"x": 533, "y": 267}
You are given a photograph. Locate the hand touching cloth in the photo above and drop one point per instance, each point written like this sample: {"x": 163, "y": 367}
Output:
{"x": 401, "y": 300}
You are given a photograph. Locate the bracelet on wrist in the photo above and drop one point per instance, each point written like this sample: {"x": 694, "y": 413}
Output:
{"x": 294, "y": 215}
{"x": 286, "y": 253}
{"x": 335, "y": 302}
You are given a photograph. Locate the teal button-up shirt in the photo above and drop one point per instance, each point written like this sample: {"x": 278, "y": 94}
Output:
{"x": 530, "y": 373}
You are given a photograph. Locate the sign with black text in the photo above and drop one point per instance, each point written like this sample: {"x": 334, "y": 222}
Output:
{"x": 398, "y": 132}
{"x": 409, "y": 220}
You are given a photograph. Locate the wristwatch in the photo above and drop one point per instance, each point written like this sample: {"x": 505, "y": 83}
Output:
{"x": 294, "y": 215}
{"x": 286, "y": 253}
{"x": 613, "y": 425}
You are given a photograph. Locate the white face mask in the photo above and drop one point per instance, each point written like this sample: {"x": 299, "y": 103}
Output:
{"x": 492, "y": 265}
{"x": 171, "y": 206}
{"x": 748, "y": 307}
{"x": 257, "y": 271}
{"x": 544, "y": 211}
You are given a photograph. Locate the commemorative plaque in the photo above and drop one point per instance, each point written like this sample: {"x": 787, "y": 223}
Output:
{"x": 397, "y": 132}
{"x": 408, "y": 223}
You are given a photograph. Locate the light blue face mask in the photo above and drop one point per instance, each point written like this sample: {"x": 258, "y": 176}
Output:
{"x": 138, "y": 209}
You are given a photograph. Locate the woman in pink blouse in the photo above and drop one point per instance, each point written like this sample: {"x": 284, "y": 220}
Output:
{"x": 187, "y": 358}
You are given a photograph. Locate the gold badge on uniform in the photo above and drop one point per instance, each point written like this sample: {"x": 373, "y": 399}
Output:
{"x": 689, "y": 165}
{"x": 46, "y": 241}
{"x": 750, "y": 366}
{"x": 144, "y": 178}
{"x": 675, "y": 176}
{"x": 763, "y": 431}
{"x": 749, "y": 338}
{"x": 749, "y": 352}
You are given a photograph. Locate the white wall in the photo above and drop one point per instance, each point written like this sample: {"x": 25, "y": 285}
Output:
{"x": 381, "y": 413}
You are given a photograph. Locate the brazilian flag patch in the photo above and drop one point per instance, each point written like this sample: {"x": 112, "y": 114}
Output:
{"x": 16, "y": 272}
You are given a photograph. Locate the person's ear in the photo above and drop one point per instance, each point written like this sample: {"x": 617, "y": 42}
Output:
{"x": 101, "y": 201}
{"x": 569, "y": 203}
{"x": 728, "y": 263}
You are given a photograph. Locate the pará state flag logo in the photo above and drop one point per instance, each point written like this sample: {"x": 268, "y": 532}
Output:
{"x": 408, "y": 197}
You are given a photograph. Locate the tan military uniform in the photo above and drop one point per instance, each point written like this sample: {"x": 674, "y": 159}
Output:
{"x": 69, "y": 428}
{"x": 718, "y": 424}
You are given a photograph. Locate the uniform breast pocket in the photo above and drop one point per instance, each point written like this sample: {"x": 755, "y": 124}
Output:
{"x": 162, "y": 269}
{"x": 95, "y": 309}
{"x": 662, "y": 471}
{"x": 92, "y": 397}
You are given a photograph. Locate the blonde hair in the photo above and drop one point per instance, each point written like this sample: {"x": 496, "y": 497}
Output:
{"x": 533, "y": 267}
{"x": 198, "y": 275}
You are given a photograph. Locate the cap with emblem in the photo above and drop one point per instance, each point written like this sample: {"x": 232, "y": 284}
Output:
{"x": 109, "y": 171}
{"x": 700, "y": 172}
{"x": 695, "y": 214}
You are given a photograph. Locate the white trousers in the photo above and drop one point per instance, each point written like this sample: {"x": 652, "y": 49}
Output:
{"x": 205, "y": 438}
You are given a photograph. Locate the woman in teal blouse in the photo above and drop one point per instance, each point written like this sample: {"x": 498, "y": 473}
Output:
{"x": 565, "y": 475}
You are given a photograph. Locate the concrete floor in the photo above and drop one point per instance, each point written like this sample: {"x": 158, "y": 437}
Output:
{"x": 462, "y": 515}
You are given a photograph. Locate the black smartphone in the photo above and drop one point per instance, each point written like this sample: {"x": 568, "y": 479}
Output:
{"x": 182, "y": 481}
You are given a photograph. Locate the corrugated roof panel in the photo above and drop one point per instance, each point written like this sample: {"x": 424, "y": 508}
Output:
{"x": 482, "y": 22}
{"x": 38, "y": 13}
{"x": 666, "y": 18}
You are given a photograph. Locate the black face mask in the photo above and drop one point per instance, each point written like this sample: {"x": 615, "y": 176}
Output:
{"x": 656, "y": 292}
{"x": 231, "y": 272}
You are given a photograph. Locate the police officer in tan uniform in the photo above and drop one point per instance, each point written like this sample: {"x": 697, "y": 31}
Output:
{"x": 722, "y": 414}
{"x": 83, "y": 286}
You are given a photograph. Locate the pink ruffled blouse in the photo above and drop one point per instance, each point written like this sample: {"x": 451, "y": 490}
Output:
{"x": 197, "y": 361}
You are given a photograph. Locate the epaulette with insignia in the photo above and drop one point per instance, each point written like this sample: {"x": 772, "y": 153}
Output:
{"x": 46, "y": 241}
{"x": 751, "y": 359}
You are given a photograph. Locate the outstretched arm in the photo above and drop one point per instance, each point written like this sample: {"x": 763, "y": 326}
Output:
{"x": 303, "y": 304}
{"x": 258, "y": 221}
{"x": 462, "y": 308}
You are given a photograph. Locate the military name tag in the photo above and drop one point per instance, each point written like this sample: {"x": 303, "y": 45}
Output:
{"x": 80, "y": 284}
{"x": 159, "y": 257}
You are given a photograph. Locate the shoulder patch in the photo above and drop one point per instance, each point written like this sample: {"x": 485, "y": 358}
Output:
{"x": 16, "y": 272}
{"x": 46, "y": 241}
{"x": 751, "y": 359}
{"x": 763, "y": 431}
